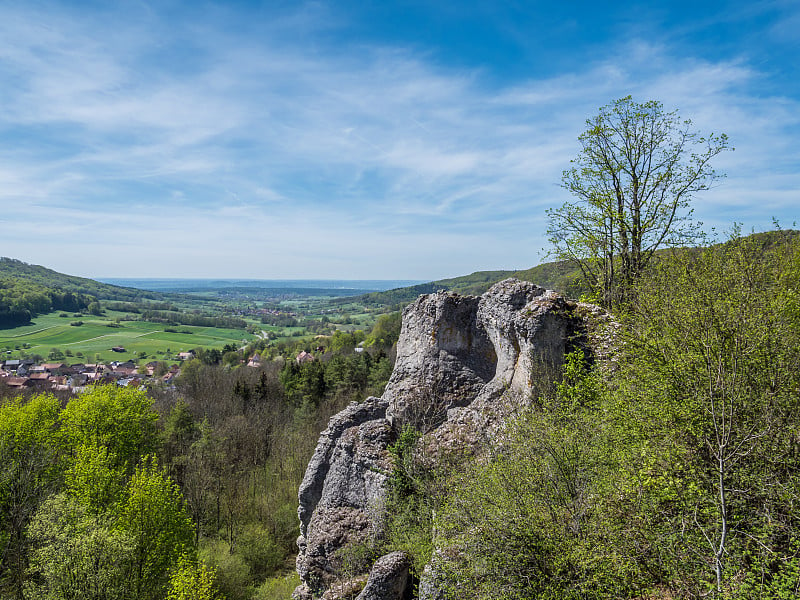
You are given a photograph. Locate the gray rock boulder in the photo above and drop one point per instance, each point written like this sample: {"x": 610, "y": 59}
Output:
{"x": 389, "y": 578}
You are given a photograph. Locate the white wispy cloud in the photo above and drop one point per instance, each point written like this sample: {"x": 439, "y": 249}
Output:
{"x": 214, "y": 147}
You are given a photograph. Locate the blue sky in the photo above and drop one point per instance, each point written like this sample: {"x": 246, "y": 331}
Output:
{"x": 361, "y": 140}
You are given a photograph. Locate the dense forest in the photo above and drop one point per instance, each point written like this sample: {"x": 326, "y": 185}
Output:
{"x": 11, "y": 268}
{"x": 21, "y": 300}
{"x": 174, "y": 493}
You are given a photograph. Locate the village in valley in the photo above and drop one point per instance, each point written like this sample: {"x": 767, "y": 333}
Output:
{"x": 25, "y": 373}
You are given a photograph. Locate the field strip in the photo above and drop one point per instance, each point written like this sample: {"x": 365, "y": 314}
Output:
{"x": 31, "y": 332}
{"x": 72, "y": 343}
{"x": 99, "y": 337}
{"x": 207, "y": 337}
{"x": 148, "y": 333}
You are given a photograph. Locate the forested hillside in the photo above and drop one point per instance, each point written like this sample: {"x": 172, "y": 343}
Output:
{"x": 21, "y": 300}
{"x": 20, "y": 271}
{"x": 670, "y": 471}
{"x": 559, "y": 276}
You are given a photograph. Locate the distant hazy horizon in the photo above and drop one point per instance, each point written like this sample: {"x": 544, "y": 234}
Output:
{"x": 163, "y": 284}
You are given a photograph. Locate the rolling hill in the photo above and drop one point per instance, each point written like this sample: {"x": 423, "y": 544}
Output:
{"x": 30, "y": 290}
{"x": 11, "y": 268}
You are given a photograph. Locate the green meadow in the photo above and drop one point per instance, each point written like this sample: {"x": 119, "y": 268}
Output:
{"x": 98, "y": 335}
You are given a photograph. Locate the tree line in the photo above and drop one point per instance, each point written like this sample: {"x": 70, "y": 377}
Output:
{"x": 21, "y": 300}
{"x": 171, "y": 317}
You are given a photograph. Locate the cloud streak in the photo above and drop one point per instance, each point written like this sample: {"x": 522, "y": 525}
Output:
{"x": 215, "y": 147}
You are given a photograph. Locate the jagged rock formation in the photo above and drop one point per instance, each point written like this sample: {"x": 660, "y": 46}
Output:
{"x": 339, "y": 491}
{"x": 465, "y": 364}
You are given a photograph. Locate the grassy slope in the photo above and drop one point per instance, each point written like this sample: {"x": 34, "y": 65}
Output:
{"x": 96, "y": 337}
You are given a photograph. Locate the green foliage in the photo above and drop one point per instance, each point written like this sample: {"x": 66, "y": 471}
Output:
{"x": 22, "y": 299}
{"x": 153, "y": 515}
{"x": 385, "y": 331}
{"x": 121, "y": 419}
{"x": 25, "y": 426}
{"x": 773, "y": 578}
{"x": 632, "y": 181}
{"x": 198, "y": 320}
{"x": 233, "y": 574}
{"x": 94, "y": 477}
{"x": 259, "y": 549}
{"x": 279, "y": 587}
{"x": 414, "y": 493}
{"x": 30, "y": 468}
{"x": 379, "y": 375}
{"x": 712, "y": 371}
{"x": 78, "y": 554}
{"x": 529, "y": 523}
{"x": 191, "y": 580}
{"x": 402, "y": 482}
{"x": 342, "y": 341}
{"x": 345, "y": 374}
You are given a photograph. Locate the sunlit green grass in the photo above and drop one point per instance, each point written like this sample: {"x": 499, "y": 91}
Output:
{"x": 96, "y": 337}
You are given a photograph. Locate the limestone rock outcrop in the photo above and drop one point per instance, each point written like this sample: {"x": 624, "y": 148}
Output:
{"x": 389, "y": 578}
{"x": 342, "y": 483}
{"x": 465, "y": 364}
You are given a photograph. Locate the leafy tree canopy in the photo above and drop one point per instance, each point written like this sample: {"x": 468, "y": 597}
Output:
{"x": 633, "y": 181}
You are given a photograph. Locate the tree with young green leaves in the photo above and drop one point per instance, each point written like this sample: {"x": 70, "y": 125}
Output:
{"x": 78, "y": 553}
{"x": 94, "y": 477}
{"x": 120, "y": 419}
{"x": 153, "y": 514}
{"x": 633, "y": 182}
{"x": 30, "y": 469}
{"x": 191, "y": 580}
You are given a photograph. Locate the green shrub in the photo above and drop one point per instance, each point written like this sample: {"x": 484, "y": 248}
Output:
{"x": 279, "y": 587}
{"x": 259, "y": 550}
{"x": 233, "y": 573}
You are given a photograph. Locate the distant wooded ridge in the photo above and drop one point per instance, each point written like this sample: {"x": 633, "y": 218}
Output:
{"x": 27, "y": 290}
{"x": 562, "y": 276}
{"x": 312, "y": 286}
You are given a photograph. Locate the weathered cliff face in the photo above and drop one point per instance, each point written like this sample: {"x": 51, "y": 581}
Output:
{"x": 464, "y": 365}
